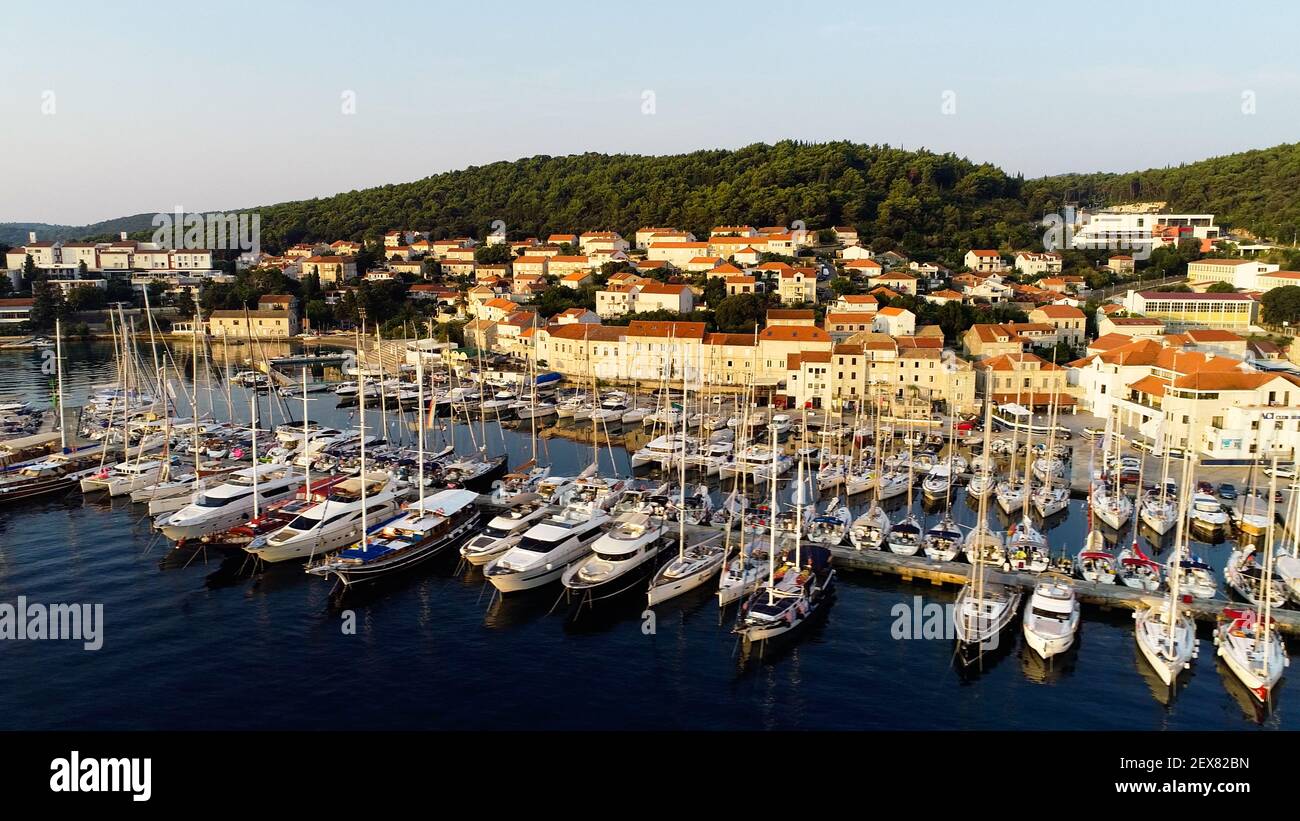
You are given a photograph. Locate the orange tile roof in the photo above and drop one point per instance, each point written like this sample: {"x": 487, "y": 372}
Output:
{"x": 794, "y": 333}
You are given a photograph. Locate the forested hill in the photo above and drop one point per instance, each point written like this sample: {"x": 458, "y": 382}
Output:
{"x": 935, "y": 206}
{"x": 922, "y": 200}
{"x": 1252, "y": 190}
{"x": 15, "y": 233}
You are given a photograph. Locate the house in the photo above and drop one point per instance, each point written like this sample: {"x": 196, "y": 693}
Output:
{"x": 704, "y": 264}
{"x": 737, "y": 285}
{"x": 841, "y": 325}
{"x": 571, "y": 316}
{"x": 796, "y": 317}
{"x": 1195, "y": 310}
{"x": 496, "y": 309}
{"x": 864, "y": 303}
{"x": 1240, "y": 273}
{"x": 985, "y": 261}
{"x": 1070, "y": 323}
{"x": 846, "y": 235}
{"x": 618, "y": 300}
{"x": 562, "y": 239}
{"x": 726, "y": 269}
{"x": 899, "y": 281}
{"x": 1034, "y": 264}
{"x": 797, "y": 286}
{"x": 1026, "y": 379}
{"x": 678, "y": 253}
{"x": 643, "y": 235}
{"x": 983, "y": 341}
{"x": 1210, "y": 340}
{"x": 528, "y": 264}
{"x": 1121, "y": 264}
{"x": 260, "y": 324}
{"x": 332, "y": 270}
{"x": 944, "y": 296}
{"x": 856, "y": 253}
{"x": 894, "y": 321}
{"x": 602, "y": 243}
{"x": 1130, "y": 326}
{"x": 563, "y": 265}
{"x": 864, "y": 268}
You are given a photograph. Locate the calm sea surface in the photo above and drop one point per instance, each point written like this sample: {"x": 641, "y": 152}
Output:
{"x": 206, "y": 646}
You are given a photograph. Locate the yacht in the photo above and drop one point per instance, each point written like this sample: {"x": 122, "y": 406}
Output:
{"x": 1207, "y": 514}
{"x": 793, "y": 600}
{"x": 275, "y": 516}
{"x": 743, "y": 574}
{"x": 421, "y": 531}
{"x": 620, "y": 559}
{"x": 905, "y": 537}
{"x": 232, "y": 501}
{"x": 1245, "y": 575}
{"x": 1049, "y": 500}
{"x": 335, "y": 522}
{"x": 1197, "y": 578}
{"x": 780, "y": 425}
{"x": 524, "y": 481}
{"x": 1138, "y": 571}
{"x": 124, "y": 477}
{"x": 1158, "y": 511}
{"x": 1094, "y": 562}
{"x": 870, "y": 530}
{"x": 1052, "y": 618}
{"x": 1254, "y": 654}
{"x": 937, "y": 483}
{"x": 943, "y": 542}
{"x": 60, "y": 472}
{"x": 662, "y": 450}
{"x": 984, "y": 609}
{"x": 546, "y": 550}
{"x": 832, "y": 526}
{"x": 1110, "y": 505}
{"x": 476, "y": 473}
{"x": 690, "y": 568}
{"x": 709, "y": 458}
{"x": 505, "y": 529}
{"x": 1027, "y": 547}
{"x": 1166, "y": 637}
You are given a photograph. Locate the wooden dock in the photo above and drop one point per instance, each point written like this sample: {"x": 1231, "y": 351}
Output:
{"x": 1105, "y": 596}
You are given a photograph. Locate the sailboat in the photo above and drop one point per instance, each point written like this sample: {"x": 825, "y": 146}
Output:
{"x": 794, "y": 594}
{"x": 1247, "y": 640}
{"x": 982, "y": 544}
{"x": 697, "y": 563}
{"x": 1026, "y": 545}
{"x": 904, "y": 537}
{"x": 1158, "y": 509}
{"x": 418, "y": 533}
{"x": 984, "y": 608}
{"x": 1166, "y": 635}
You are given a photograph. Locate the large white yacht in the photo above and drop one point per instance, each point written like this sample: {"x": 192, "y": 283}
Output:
{"x": 231, "y": 502}
{"x": 335, "y": 522}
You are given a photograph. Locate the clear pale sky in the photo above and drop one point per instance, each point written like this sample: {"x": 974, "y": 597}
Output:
{"x": 229, "y": 104}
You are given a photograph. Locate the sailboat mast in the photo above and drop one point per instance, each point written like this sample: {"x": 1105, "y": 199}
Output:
{"x": 58, "y": 367}
{"x": 771, "y": 517}
{"x": 681, "y": 472}
{"x": 306, "y": 466}
{"x": 419, "y": 421}
{"x": 361, "y": 391}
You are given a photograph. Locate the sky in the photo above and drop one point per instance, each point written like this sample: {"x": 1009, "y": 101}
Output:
{"x": 110, "y": 109}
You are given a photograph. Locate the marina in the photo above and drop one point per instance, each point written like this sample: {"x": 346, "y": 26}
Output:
{"x": 847, "y": 638}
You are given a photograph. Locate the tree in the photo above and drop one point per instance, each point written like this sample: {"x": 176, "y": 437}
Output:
{"x": 740, "y": 313}
{"x": 6, "y": 284}
{"x": 1221, "y": 288}
{"x": 87, "y": 298}
{"x": 1281, "y": 305}
{"x": 47, "y": 304}
{"x": 29, "y": 272}
{"x": 319, "y": 314}
{"x": 497, "y": 254}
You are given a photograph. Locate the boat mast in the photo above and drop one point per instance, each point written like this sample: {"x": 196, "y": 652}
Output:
{"x": 255, "y": 408}
{"x": 361, "y": 378}
{"x": 771, "y": 517}
{"x": 1265, "y": 606}
{"x": 58, "y": 367}
{"x": 306, "y": 467}
{"x": 419, "y": 421}
{"x": 681, "y": 473}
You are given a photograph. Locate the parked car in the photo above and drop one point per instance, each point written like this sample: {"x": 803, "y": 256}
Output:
{"x": 1283, "y": 471}
{"x": 1091, "y": 433}
{"x": 1227, "y": 491}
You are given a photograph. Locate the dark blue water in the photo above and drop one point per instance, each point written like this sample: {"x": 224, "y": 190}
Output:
{"x": 204, "y": 646}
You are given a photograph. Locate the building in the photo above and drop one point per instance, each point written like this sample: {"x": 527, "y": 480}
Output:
{"x": 640, "y": 298}
{"x": 1026, "y": 379}
{"x": 1130, "y": 326}
{"x": 797, "y": 286}
{"x": 274, "y": 323}
{"x": 1195, "y": 310}
{"x": 15, "y": 310}
{"x": 1239, "y": 273}
{"x": 894, "y": 321}
{"x": 1070, "y": 323}
{"x": 985, "y": 261}
{"x": 1035, "y": 264}
{"x": 1218, "y": 405}
{"x": 332, "y": 270}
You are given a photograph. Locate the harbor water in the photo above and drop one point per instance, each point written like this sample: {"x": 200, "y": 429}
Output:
{"x": 206, "y": 643}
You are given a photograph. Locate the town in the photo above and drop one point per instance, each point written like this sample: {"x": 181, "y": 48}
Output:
{"x": 812, "y": 318}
